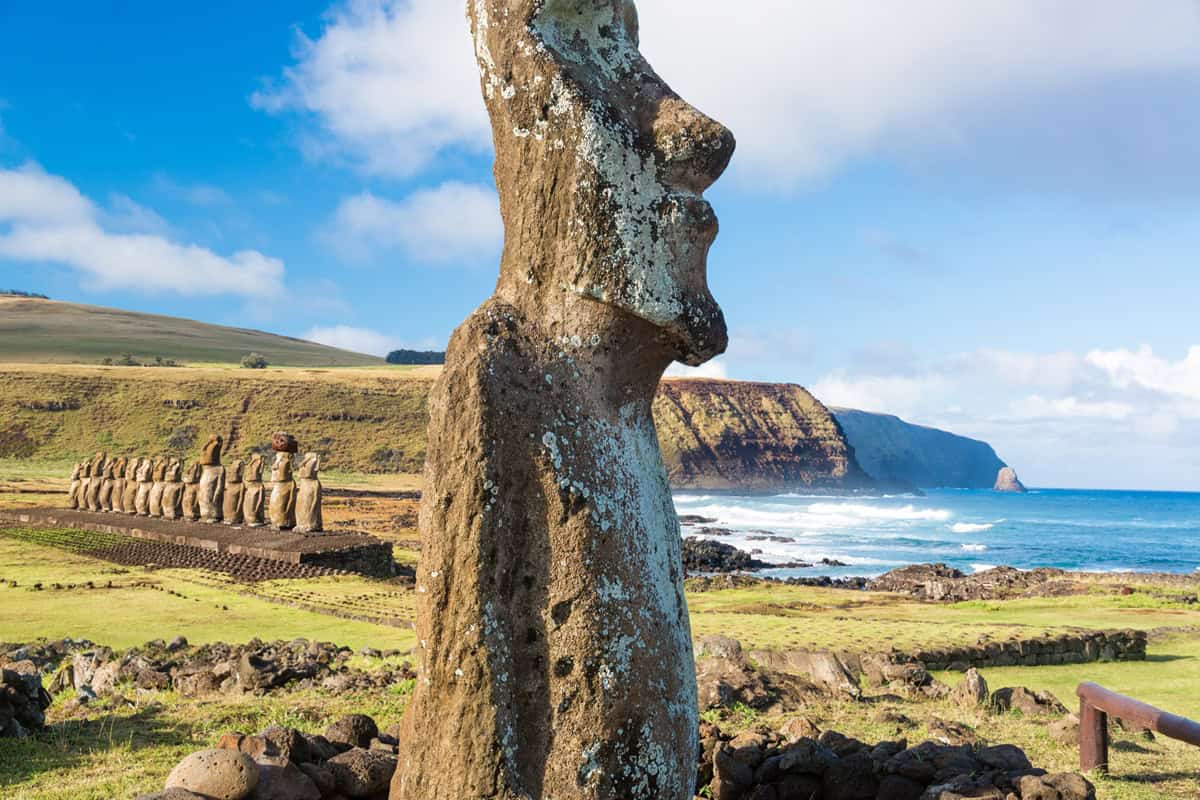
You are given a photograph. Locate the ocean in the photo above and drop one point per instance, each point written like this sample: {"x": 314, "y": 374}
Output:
{"x": 973, "y": 530}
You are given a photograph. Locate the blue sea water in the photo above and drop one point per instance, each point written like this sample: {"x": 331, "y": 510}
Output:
{"x": 1100, "y": 531}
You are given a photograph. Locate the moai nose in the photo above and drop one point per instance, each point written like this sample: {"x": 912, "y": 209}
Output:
{"x": 695, "y": 148}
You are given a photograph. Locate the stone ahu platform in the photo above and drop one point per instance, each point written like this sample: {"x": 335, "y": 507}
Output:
{"x": 336, "y": 551}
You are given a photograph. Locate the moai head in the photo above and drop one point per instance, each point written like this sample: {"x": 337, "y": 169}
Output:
{"x": 254, "y": 468}
{"x": 233, "y": 473}
{"x": 76, "y": 471}
{"x": 98, "y": 462}
{"x": 211, "y": 454}
{"x": 601, "y": 169}
{"x": 281, "y": 470}
{"x": 191, "y": 473}
{"x": 119, "y": 467}
{"x": 309, "y": 466}
{"x": 160, "y": 469}
{"x": 174, "y": 470}
{"x": 132, "y": 466}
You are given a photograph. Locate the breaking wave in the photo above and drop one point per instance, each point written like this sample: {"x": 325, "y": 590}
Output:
{"x": 972, "y": 527}
{"x": 975, "y": 548}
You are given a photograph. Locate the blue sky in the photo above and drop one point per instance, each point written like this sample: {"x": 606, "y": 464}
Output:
{"x": 979, "y": 216}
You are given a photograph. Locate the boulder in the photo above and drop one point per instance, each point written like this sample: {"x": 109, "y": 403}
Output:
{"x": 1027, "y": 701}
{"x": 216, "y": 774}
{"x": 1007, "y": 481}
{"x": 362, "y": 773}
{"x": 1063, "y": 786}
{"x": 972, "y": 692}
{"x": 280, "y": 779}
{"x": 353, "y": 730}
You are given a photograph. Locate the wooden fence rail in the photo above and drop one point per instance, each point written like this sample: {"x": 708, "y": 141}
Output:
{"x": 1096, "y": 704}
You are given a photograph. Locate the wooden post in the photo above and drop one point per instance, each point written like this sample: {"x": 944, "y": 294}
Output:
{"x": 1093, "y": 737}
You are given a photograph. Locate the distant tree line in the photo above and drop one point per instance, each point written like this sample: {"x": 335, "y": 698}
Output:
{"x": 19, "y": 293}
{"x": 129, "y": 360}
{"x": 416, "y": 357}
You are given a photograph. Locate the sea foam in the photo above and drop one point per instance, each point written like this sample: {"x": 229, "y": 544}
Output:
{"x": 975, "y": 548}
{"x": 972, "y": 527}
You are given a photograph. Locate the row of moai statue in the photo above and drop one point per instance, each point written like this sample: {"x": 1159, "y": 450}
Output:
{"x": 205, "y": 490}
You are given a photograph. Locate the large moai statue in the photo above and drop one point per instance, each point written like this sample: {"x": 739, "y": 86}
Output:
{"x": 254, "y": 501}
{"x": 235, "y": 492}
{"x": 73, "y": 488}
{"x": 129, "y": 496}
{"x": 191, "y": 492}
{"x": 308, "y": 495}
{"x": 85, "y": 485}
{"x": 158, "y": 477}
{"x": 555, "y": 644}
{"x": 104, "y": 499}
{"x": 172, "y": 499}
{"x": 145, "y": 487}
{"x": 282, "y": 507}
{"x": 212, "y": 480}
{"x": 99, "y": 462}
{"x": 117, "y": 496}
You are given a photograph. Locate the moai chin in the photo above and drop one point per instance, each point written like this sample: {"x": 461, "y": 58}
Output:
{"x": 308, "y": 495}
{"x": 254, "y": 501}
{"x": 282, "y": 506}
{"x": 235, "y": 491}
{"x": 555, "y": 642}
{"x": 212, "y": 480}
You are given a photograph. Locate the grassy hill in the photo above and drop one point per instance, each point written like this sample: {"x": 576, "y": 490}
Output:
{"x": 48, "y": 331}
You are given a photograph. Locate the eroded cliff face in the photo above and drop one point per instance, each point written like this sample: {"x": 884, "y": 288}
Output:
{"x": 757, "y": 437}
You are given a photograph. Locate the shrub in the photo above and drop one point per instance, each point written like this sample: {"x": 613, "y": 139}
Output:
{"x": 254, "y": 361}
{"x": 416, "y": 357}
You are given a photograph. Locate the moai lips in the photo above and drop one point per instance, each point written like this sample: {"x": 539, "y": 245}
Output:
{"x": 555, "y": 643}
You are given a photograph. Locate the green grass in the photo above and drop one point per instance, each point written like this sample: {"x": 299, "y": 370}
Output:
{"x": 145, "y": 605}
{"x": 46, "y": 331}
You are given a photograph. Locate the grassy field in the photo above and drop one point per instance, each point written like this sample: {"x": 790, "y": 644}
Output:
{"x": 116, "y": 752}
{"x": 47, "y": 331}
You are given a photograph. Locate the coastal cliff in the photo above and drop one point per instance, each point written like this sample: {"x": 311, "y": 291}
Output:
{"x": 756, "y": 437}
{"x": 890, "y": 449}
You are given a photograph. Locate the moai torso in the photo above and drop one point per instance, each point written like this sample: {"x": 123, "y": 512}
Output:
{"x": 104, "y": 501}
{"x": 172, "y": 499}
{"x": 129, "y": 499}
{"x": 212, "y": 480}
{"x": 191, "y": 492}
{"x": 145, "y": 486}
{"x": 158, "y": 484}
{"x": 235, "y": 491}
{"x": 85, "y": 485}
{"x": 556, "y": 656}
{"x": 308, "y": 495}
{"x": 282, "y": 508}
{"x": 254, "y": 494}
{"x": 73, "y": 488}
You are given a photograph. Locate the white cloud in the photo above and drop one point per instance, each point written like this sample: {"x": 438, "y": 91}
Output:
{"x": 453, "y": 222}
{"x": 713, "y": 369}
{"x": 807, "y": 86}
{"x": 45, "y": 219}
{"x": 391, "y": 83}
{"x": 1142, "y": 368}
{"x": 358, "y": 340}
{"x": 1036, "y": 406}
{"x": 883, "y": 394}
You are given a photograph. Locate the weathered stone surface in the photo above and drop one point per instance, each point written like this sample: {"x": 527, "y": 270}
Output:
{"x": 1007, "y": 481}
{"x": 1027, "y": 701}
{"x": 362, "y": 773}
{"x": 97, "y": 481}
{"x": 354, "y": 730}
{"x": 1063, "y": 786}
{"x": 556, "y": 654}
{"x": 73, "y": 487}
{"x": 235, "y": 492}
{"x": 212, "y": 480}
{"x": 282, "y": 508}
{"x": 254, "y": 499}
{"x": 216, "y": 774}
{"x": 308, "y": 495}
{"x": 116, "y": 494}
{"x": 129, "y": 500}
